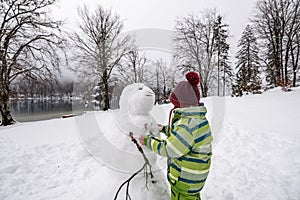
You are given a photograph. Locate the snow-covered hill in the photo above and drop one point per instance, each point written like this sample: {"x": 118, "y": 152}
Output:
{"x": 256, "y": 155}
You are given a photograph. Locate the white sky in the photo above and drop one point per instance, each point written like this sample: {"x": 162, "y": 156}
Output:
{"x": 162, "y": 14}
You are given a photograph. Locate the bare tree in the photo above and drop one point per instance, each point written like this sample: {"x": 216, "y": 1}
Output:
{"x": 164, "y": 80}
{"x": 295, "y": 54}
{"x": 278, "y": 23}
{"x": 194, "y": 41}
{"x": 99, "y": 47}
{"x": 29, "y": 43}
{"x": 294, "y": 38}
{"x": 133, "y": 68}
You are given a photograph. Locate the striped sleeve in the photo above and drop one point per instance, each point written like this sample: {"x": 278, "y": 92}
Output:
{"x": 165, "y": 130}
{"x": 179, "y": 143}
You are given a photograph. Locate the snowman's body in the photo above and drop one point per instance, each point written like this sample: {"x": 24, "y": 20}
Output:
{"x": 121, "y": 157}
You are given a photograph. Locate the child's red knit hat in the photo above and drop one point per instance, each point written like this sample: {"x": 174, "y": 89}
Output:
{"x": 186, "y": 93}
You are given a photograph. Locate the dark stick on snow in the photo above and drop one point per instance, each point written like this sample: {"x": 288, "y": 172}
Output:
{"x": 131, "y": 177}
{"x": 142, "y": 152}
{"x": 128, "y": 180}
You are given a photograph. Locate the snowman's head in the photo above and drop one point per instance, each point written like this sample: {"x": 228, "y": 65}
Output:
{"x": 137, "y": 99}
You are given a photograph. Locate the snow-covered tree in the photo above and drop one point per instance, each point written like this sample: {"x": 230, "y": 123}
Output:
{"x": 248, "y": 74}
{"x": 99, "y": 47}
{"x": 30, "y": 44}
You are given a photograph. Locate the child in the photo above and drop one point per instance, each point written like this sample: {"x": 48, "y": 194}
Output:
{"x": 188, "y": 146}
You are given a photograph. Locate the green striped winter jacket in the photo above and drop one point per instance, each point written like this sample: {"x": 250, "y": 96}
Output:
{"x": 188, "y": 148}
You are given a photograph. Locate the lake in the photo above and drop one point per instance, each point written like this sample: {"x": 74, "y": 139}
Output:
{"x": 26, "y": 110}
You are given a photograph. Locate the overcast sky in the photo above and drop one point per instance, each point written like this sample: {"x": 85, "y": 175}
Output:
{"x": 161, "y": 14}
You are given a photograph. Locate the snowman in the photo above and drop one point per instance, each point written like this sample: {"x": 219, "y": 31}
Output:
{"x": 120, "y": 157}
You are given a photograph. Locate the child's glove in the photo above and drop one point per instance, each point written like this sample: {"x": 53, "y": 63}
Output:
{"x": 142, "y": 140}
{"x": 160, "y": 127}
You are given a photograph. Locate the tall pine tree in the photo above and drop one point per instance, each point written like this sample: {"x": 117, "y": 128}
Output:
{"x": 248, "y": 75}
{"x": 221, "y": 47}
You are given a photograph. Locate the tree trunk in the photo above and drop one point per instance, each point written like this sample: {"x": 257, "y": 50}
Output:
{"x": 106, "y": 97}
{"x": 295, "y": 63}
{"x": 278, "y": 74}
{"x": 224, "y": 81}
{"x": 7, "y": 119}
{"x": 106, "y": 92}
{"x": 164, "y": 92}
{"x": 218, "y": 72}
{"x": 204, "y": 89}
{"x": 134, "y": 71}
{"x": 158, "y": 87}
{"x": 294, "y": 78}
{"x": 286, "y": 60}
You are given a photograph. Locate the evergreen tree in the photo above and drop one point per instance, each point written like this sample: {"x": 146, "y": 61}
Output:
{"x": 247, "y": 77}
{"x": 221, "y": 47}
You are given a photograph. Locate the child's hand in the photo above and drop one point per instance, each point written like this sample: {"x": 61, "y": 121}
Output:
{"x": 160, "y": 127}
{"x": 141, "y": 140}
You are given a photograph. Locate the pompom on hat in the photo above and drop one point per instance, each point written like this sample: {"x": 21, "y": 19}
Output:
{"x": 193, "y": 78}
{"x": 186, "y": 93}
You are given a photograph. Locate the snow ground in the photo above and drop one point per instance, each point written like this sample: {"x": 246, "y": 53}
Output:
{"x": 256, "y": 155}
